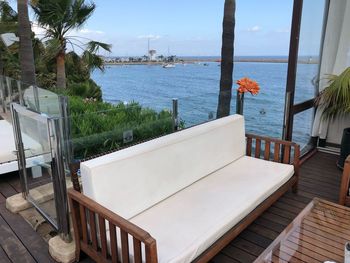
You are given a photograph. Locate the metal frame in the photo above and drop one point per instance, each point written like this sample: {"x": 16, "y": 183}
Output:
{"x": 292, "y": 109}
{"x": 2, "y": 94}
{"x": 175, "y": 114}
{"x": 292, "y": 70}
{"x": 20, "y": 93}
{"x": 66, "y": 129}
{"x": 59, "y": 178}
{"x": 55, "y": 132}
{"x": 21, "y": 160}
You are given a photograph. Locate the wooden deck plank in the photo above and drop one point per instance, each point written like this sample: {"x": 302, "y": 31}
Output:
{"x": 3, "y": 256}
{"x": 2, "y": 198}
{"x": 37, "y": 247}
{"x": 12, "y": 246}
{"x": 6, "y": 189}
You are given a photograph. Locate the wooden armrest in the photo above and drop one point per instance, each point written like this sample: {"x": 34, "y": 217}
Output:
{"x": 86, "y": 211}
{"x": 345, "y": 183}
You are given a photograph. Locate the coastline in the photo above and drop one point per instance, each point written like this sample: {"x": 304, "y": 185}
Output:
{"x": 204, "y": 60}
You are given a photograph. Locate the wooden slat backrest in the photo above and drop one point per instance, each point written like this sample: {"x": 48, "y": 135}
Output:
{"x": 93, "y": 233}
{"x": 114, "y": 244}
{"x": 87, "y": 238}
{"x": 276, "y": 155}
{"x": 137, "y": 251}
{"x": 267, "y": 150}
{"x": 257, "y": 148}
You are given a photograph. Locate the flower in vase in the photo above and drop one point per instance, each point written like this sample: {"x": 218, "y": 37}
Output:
{"x": 248, "y": 85}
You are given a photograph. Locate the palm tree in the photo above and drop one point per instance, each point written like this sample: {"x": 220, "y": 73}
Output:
{"x": 8, "y": 23}
{"x": 58, "y": 18}
{"x": 25, "y": 44}
{"x": 227, "y": 53}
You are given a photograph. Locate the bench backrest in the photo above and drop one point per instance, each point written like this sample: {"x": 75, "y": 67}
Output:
{"x": 134, "y": 179}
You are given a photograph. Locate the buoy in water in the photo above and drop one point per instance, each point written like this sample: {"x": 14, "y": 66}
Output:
{"x": 262, "y": 112}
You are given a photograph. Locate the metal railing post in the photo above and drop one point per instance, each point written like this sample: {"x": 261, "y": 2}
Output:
{"x": 2, "y": 94}
{"x": 9, "y": 88}
{"x": 36, "y": 98}
{"x": 175, "y": 115}
{"x": 59, "y": 180}
{"x": 65, "y": 121}
{"x": 21, "y": 158}
{"x": 19, "y": 87}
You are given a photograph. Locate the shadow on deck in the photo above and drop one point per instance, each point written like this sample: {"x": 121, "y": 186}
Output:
{"x": 319, "y": 178}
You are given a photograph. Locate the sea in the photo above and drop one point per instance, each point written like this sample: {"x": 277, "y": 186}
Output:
{"x": 196, "y": 87}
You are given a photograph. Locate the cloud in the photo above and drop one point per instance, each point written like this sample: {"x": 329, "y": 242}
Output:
{"x": 150, "y": 36}
{"x": 89, "y": 31}
{"x": 254, "y": 29}
{"x": 39, "y": 31}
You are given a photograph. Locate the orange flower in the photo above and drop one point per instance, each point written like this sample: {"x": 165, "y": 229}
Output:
{"x": 248, "y": 85}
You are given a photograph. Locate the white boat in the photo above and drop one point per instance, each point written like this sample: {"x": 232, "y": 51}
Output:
{"x": 168, "y": 65}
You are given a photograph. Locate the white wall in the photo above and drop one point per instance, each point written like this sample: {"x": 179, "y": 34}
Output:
{"x": 335, "y": 59}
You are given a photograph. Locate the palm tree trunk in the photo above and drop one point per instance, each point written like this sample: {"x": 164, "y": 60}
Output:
{"x": 227, "y": 53}
{"x": 26, "y": 55}
{"x": 1, "y": 64}
{"x": 61, "y": 70}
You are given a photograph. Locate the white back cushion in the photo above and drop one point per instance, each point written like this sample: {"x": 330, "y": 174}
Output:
{"x": 134, "y": 179}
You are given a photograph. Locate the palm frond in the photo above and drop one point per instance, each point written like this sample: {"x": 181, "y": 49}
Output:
{"x": 92, "y": 61}
{"x": 53, "y": 47}
{"x": 7, "y": 14}
{"x": 335, "y": 99}
{"x": 94, "y": 46}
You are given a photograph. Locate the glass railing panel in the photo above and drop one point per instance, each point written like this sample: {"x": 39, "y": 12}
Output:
{"x": 119, "y": 126}
{"x": 194, "y": 110}
{"x": 32, "y": 97}
{"x": 41, "y": 100}
{"x": 37, "y": 150}
{"x": 309, "y": 49}
{"x": 302, "y": 128}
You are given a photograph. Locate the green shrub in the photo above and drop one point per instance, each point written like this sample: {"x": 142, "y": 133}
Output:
{"x": 98, "y": 127}
{"x": 86, "y": 89}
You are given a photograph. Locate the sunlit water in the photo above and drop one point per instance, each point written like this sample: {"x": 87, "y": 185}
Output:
{"x": 196, "y": 86}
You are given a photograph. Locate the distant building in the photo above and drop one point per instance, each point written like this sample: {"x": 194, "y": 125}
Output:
{"x": 152, "y": 54}
{"x": 123, "y": 60}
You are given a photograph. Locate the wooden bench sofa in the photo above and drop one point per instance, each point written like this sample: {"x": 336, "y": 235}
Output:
{"x": 344, "y": 194}
{"x": 182, "y": 197}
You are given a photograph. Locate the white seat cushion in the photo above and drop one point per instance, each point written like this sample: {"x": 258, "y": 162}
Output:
{"x": 187, "y": 223}
{"x": 8, "y": 147}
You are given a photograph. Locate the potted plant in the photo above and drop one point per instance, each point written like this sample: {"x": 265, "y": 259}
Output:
{"x": 335, "y": 101}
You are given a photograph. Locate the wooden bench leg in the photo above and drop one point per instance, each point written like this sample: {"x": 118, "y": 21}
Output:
{"x": 295, "y": 188}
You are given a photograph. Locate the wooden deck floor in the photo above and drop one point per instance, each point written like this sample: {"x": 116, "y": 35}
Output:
{"x": 319, "y": 177}
{"x": 18, "y": 241}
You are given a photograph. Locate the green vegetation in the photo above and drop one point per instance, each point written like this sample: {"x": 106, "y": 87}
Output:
{"x": 78, "y": 68}
{"x": 335, "y": 99}
{"x": 98, "y": 127}
{"x": 59, "y": 18}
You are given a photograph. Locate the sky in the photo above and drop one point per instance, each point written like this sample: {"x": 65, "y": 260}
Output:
{"x": 188, "y": 27}
{"x": 191, "y": 27}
